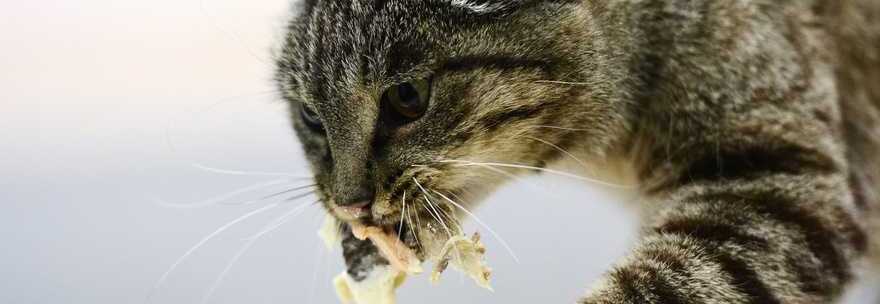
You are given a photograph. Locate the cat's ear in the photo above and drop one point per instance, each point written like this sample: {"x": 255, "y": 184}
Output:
{"x": 486, "y": 6}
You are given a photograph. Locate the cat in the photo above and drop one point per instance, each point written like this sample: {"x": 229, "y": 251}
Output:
{"x": 751, "y": 128}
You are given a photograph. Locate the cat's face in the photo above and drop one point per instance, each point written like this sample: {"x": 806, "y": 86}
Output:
{"x": 404, "y": 102}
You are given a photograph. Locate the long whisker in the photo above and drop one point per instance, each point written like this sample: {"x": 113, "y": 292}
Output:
{"x": 247, "y": 246}
{"x": 477, "y": 219}
{"x": 440, "y": 219}
{"x": 276, "y": 195}
{"x": 280, "y": 221}
{"x": 220, "y": 198}
{"x": 249, "y": 243}
{"x": 413, "y": 229}
{"x": 560, "y": 128}
{"x": 247, "y": 173}
{"x": 551, "y": 171}
{"x": 560, "y": 149}
{"x": 429, "y": 204}
{"x": 563, "y": 82}
{"x": 201, "y": 243}
{"x": 402, "y": 212}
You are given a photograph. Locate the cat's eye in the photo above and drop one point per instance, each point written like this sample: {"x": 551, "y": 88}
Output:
{"x": 311, "y": 118}
{"x": 407, "y": 101}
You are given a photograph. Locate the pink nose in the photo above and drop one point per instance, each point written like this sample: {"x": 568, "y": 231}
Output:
{"x": 357, "y": 209}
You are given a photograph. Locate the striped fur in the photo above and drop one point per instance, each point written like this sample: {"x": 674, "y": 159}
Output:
{"x": 752, "y": 126}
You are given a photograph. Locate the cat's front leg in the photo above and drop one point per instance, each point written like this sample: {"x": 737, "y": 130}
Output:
{"x": 779, "y": 238}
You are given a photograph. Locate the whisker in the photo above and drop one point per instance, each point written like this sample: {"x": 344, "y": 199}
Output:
{"x": 413, "y": 229}
{"x": 477, "y": 219}
{"x": 298, "y": 196}
{"x": 402, "y": 212}
{"x": 214, "y": 286}
{"x": 249, "y": 243}
{"x": 551, "y": 171}
{"x": 220, "y": 198}
{"x": 560, "y": 128}
{"x": 201, "y": 243}
{"x": 255, "y": 201}
{"x": 439, "y": 218}
{"x": 563, "y": 82}
{"x": 429, "y": 204}
{"x": 560, "y": 149}
{"x": 247, "y": 173}
{"x": 280, "y": 221}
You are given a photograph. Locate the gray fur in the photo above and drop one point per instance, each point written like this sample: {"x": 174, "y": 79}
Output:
{"x": 751, "y": 125}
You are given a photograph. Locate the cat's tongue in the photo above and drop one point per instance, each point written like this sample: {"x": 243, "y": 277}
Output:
{"x": 401, "y": 257}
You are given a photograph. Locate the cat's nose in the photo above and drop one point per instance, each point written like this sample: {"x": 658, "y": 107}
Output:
{"x": 356, "y": 203}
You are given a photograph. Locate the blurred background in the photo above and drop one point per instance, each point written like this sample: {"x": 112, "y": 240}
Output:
{"x": 114, "y": 113}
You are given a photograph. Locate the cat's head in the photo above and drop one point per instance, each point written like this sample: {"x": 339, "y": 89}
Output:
{"x": 443, "y": 100}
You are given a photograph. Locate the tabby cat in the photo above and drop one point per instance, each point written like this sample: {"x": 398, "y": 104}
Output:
{"x": 750, "y": 127}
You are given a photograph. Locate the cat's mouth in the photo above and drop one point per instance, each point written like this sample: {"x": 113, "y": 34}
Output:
{"x": 403, "y": 226}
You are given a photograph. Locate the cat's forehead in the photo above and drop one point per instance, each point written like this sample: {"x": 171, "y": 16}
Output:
{"x": 336, "y": 46}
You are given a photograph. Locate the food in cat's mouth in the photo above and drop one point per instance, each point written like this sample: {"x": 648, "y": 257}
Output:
{"x": 401, "y": 257}
{"x": 376, "y": 282}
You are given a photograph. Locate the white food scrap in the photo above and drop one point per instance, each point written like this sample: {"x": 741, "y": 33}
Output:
{"x": 330, "y": 233}
{"x": 465, "y": 255}
{"x": 377, "y": 288}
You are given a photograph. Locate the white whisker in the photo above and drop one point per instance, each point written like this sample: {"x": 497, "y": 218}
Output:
{"x": 220, "y": 198}
{"x": 551, "y": 171}
{"x": 477, "y": 219}
{"x": 271, "y": 227}
{"x": 563, "y": 82}
{"x": 247, "y": 173}
{"x": 430, "y": 204}
{"x": 402, "y": 212}
{"x": 411, "y": 224}
{"x": 560, "y": 149}
{"x": 250, "y": 202}
{"x": 280, "y": 221}
{"x": 440, "y": 219}
{"x": 560, "y": 128}
{"x": 201, "y": 243}
{"x": 247, "y": 246}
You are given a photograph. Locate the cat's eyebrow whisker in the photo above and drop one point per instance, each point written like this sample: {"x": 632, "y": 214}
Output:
{"x": 483, "y": 224}
{"x": 220, "y": 198}
{"x": 248, "y": 173}
{"x": 551, "y": 171}
{"x": 201, "y": 243}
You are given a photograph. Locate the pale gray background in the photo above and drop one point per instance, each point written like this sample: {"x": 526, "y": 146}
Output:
{"x": 109, "y": 107}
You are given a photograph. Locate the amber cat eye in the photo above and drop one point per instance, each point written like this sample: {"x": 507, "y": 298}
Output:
{"x": 407, "y": 101}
